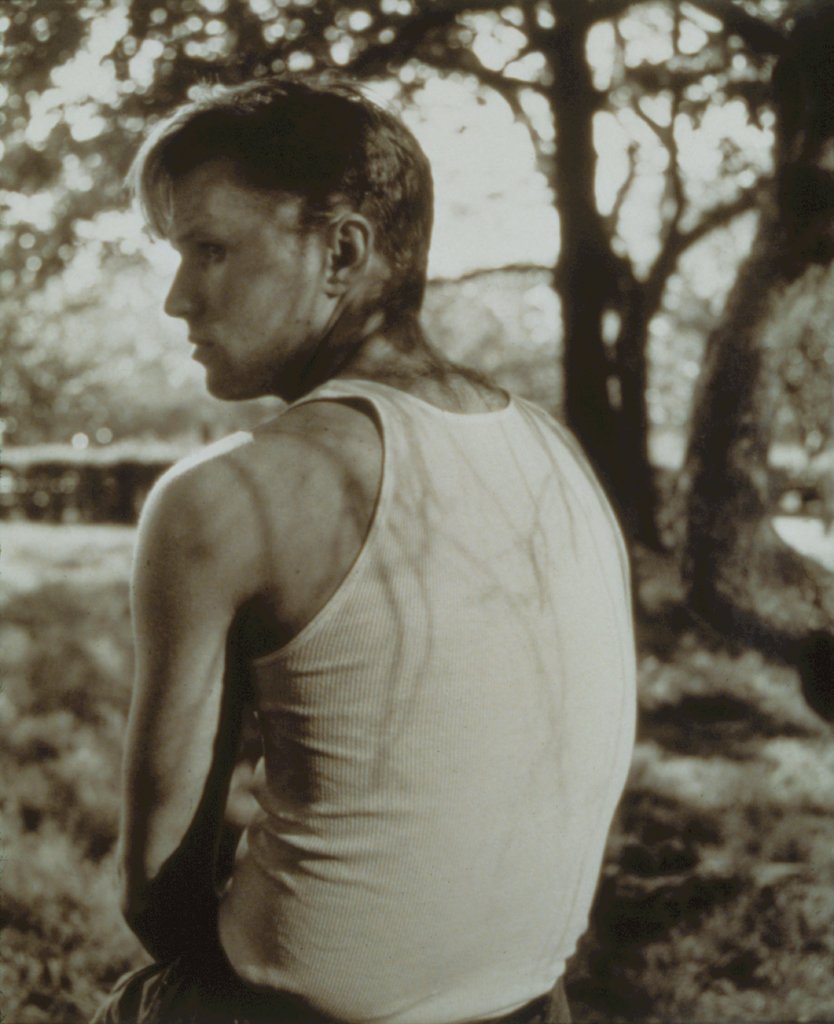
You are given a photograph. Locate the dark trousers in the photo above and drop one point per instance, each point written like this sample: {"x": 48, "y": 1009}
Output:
{"x": 184, "y": 992}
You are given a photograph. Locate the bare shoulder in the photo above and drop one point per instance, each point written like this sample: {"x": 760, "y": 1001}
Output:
{"x": 314, "y": 440}
{"x": 262, "y": 506}
{"x": 335, "y": 430}
{"x": 195, "y": 486}
{"x": 196, "y": 525}
{"x": 315, "y": 463}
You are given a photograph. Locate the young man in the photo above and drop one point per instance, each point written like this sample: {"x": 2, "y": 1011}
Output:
{"x": 413, "y": 576}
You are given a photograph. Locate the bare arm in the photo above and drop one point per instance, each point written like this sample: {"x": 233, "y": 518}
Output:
{"x": 185, "y": 713}
{"x": 211, "y": 545}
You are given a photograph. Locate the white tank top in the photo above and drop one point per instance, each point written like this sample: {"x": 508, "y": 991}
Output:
{"x": 446, "y": 741}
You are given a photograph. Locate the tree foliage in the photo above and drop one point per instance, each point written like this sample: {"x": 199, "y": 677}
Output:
{"x": 576, "y": 72}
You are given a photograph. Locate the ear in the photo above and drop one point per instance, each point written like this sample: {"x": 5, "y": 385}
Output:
{"x": 350, "y": 239}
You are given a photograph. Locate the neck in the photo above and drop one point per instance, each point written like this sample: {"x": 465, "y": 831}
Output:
{"x": 367, "y": 346}
{"x": 397, "y": 353}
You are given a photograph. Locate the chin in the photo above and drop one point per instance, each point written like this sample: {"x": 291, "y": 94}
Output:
{"x": 227, "y": 389}
{"x": 223, "y": 392}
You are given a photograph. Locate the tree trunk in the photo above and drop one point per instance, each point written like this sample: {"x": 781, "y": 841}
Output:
{"x": 611, "y": 428}
{"x": 741, "y": 577}
{"x": 633, "y": 438}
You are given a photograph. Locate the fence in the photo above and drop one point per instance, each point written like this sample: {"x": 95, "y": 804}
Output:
{"x": 57, "y": 484}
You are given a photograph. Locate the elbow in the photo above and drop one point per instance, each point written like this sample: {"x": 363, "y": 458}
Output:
{"x": 130, "y": 908}
{"x": 169, "y": 911}
{"x": 137, "y": 891}
{"x": 141, "y": 871}
{"x": 135, "y": 915}
{"x": 144, "y": 913}
{"x": 133, "y": 893}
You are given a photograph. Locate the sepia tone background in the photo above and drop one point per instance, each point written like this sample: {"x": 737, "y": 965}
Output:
{"x": 635, "y": 228}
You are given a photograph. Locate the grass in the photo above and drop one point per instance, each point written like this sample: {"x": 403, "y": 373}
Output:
{"x": 716, "y": 901}
{"x": 66, "y": 667}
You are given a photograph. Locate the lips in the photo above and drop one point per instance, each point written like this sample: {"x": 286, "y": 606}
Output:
{"x": 201, "y": 351}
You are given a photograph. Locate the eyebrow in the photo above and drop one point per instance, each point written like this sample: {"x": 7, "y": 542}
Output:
{"x": 191, "y": 232}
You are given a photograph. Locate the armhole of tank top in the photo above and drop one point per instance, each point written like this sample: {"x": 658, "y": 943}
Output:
{"x": 369, "y": 406}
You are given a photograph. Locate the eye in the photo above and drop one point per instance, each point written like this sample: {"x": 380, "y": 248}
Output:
{"x": 211, "y": 252}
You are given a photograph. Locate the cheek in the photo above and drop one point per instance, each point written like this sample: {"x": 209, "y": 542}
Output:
{"x": 260, "y": 302}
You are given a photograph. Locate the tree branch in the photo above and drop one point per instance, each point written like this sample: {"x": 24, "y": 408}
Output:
{"x": 412, "y": 32}
{"x": 603, "y": 10}
{"x": 377, "y": 56}
{"x": 657, "y": 129}
{"x": 761, "y": 36}
{"x": 506, "y": 85}
{"x": 540, "y": 38}
{"x": 675, "y": 179}
{"x": 677, "y": 242}
{"x": 613, "y": 216}
{"x": 478, "y": 272}
{"x": 672, "y": 243}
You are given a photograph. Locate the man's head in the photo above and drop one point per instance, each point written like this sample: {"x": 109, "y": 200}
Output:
{"x": 326, "y": 145}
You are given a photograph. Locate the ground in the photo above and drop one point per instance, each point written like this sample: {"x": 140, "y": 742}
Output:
{"x": 716, "y": 901}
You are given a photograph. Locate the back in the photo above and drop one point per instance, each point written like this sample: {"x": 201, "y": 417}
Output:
{"x": 446, "y": 741}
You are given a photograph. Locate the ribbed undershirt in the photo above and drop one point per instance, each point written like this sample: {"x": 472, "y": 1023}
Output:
{"x": 447, "y": 740}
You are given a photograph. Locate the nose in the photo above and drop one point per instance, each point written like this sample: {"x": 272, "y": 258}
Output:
{"x": 181, "y": 301}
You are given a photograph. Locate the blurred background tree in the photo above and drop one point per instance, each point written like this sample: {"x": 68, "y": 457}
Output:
{"x": 534, "y": 55}
{"x": 741, "y": 575}
{"x": 655, "y": 124}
